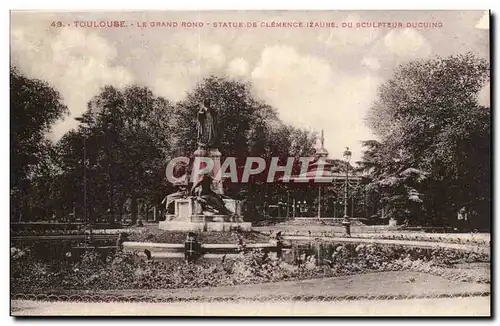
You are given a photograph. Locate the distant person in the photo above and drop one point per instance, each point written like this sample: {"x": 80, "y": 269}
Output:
{"x": 463, "y": 220}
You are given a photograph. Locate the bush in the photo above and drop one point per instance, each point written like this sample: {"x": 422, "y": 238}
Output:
{"x": 127, "y": 271}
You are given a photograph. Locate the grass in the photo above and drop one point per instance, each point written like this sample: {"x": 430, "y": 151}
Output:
{"x": 377, "y": 232}
{"x": 367, "y": 285}
{"x": 362, "y": 285}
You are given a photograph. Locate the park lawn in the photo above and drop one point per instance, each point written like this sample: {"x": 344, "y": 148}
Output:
{"x": 369, "y": 285}
{"x": 376, "y": 232}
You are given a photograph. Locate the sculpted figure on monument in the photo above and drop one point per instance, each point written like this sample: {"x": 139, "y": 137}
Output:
{"x": 209, "y": 200}
{"x": 207, "y": 125}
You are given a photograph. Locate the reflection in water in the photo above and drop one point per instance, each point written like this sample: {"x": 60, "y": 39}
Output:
{"x": 325, "y": 253}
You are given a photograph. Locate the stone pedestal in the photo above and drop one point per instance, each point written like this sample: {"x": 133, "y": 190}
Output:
{"x": 235, "y": 206}
{"x": 224, "y": 226}
{"x": 184, "y": 209}
{"x": 189, "y": 217}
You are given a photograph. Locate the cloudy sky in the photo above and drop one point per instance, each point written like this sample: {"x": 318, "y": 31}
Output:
{"x": 317, "y": 78}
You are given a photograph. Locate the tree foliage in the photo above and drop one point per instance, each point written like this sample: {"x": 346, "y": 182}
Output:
{"x": 114, "y": 163}
{"x": 249, "y": 127}
{"x": 432, "y": 156}
{"x": 434, "y": 148}
{"x": 34, "y": 107}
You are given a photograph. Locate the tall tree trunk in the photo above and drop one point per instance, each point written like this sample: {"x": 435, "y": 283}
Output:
{"x": 111, "y": 209}
{"x": 133, "y": 208}
{"x": 120, "y": 211}
{"x": 140, "y": 212}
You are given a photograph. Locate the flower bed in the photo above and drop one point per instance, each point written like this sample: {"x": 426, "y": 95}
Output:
{"x": 126, "y": 271}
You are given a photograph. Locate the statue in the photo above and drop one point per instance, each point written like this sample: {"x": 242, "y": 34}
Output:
{"x": 206, "y": 196}
{"x": 202, "y": 191}
{"x": 207, "y": 125}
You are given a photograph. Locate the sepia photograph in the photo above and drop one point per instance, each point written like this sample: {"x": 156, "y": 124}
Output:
{"x": 250, "y": 163}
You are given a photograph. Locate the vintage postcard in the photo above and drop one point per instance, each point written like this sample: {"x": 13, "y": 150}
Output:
{"x": 250, "y": 163}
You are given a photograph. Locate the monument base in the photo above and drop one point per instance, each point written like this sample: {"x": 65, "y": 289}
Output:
{"x": 216, "y": 223}
{"x": 187, "y": 209}
{"x": 189, "y": 217}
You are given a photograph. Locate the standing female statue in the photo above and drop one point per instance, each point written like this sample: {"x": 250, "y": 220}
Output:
{"x": 207, "y": 125}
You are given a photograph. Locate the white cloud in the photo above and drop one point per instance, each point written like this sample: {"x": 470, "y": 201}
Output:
{"x": 407, "y": 43}
{"x": 371, "y": 63}
{"x": 182, "y": 62}
{"x": 484, "y": 22}
{"x": 75, "y": 62}
{"x": 237, "y": 67}
{"x": 309, "y": 93}
{"x": 330, "y": 91}
{"x": 349, "y": 38}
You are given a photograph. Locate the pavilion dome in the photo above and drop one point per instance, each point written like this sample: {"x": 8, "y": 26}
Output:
{"x": 320, "y": 170}
{"x": 321, "y": 151}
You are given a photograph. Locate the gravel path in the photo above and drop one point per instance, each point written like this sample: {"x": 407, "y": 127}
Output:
{"x": 472, "y": 306}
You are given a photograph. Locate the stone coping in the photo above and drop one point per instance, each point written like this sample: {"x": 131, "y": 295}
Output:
{"x": 187, "y": 226}
{"x": 148, "y": 245}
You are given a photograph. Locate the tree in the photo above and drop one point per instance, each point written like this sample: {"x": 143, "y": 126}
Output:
{"x": 115, "y": 159}
{"x": 428, "y": 119}
{"x": 70, "y": 152}
{"x": 125, "y": 140}
{"x": 249, "y": 127}
{"x": 34, "y": 107}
